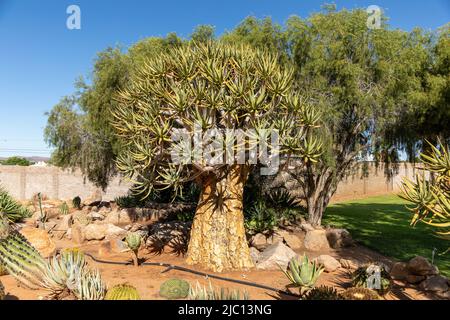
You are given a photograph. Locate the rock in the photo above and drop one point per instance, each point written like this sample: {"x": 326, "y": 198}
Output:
{"x": 102, "y": 231}
{"x": 277, "y": 254}
{"x": 399, "y": 271}
{"x": 435, "y": 284}
{"x": 444, "y": 295}
{"x": 40, "y": 239}
{"x": 254, "y": 253}
{"x": 316, "y": 240}
{"x": 328, "y": 262}
{"x": 117, "y": 217}
{"x": 422, "y": 267}
{"x": 348, "y": 264}
{"x": 97, "y": 216}
{"x": 413, "y": 279}
{"x": 50, "y": 225}
{"x": 77, "y": 233}
{"x": 259, "y": 241}
{"x": 118, "y": 246}
{"x": 306, "y": 226}
{"x": 94, "y": 209}
{"x": 339, "y": 238}
{"x": 64, "y": 224}
{"x": 94, "y": 199}
{"x": 292, "y": 240}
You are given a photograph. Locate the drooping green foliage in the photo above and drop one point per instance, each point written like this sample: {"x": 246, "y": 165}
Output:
{"x": 13, "y": 209}
{"x": 174, "y": 289}
{"x": 123, "y": 292}
{"x": 260, "y": 219}
{"x": 199, "y": 292}
{"x": 430, "y": 197}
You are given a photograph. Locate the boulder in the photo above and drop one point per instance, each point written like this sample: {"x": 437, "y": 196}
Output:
{"x": 275, "y": 256}
{"x": 40, "y": 240}
{"x": 102, "y": 231}
{"x": 119, "y": 217}
{"x": 329, "y": 263}
{"x": 292, "y": 240}
{"x": 97, "y": 216}
{"x": 399, "y": 271}
{"x": 420, "y": 266}
{"x": 118, "y": 246}
{"x": 259, "y": 241}
{"x": 94, "y": 199}
{"x": 413, "y": 279}
{"x": 316, "y": 240}
{"x": 77, "y": 233}
{"x": 435, "y": 284}
{"x": 254, "y": 253}
{"x": 339, "y": 238}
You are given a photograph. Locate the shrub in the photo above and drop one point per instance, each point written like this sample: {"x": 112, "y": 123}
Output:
{"x": 17, "y": 161}
{"x": 76, "y": 202}
{"x": 260, "y": 219}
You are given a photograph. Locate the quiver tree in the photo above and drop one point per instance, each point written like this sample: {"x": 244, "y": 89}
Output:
{"x": 430, "y": 197}
{"x": 224, "y": 90}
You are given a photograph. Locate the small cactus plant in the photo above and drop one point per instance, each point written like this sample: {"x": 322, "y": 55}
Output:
{"x": 303, "y": 273}
{"x": 323, "y": 293}
{"x": 133, "y": 241}
{"x": 76, "y": 203}
{"x": 174, "y": 289}
{"x": 123, "y": 292}
{"x": 360, "y": 294}
{"x": 64, "y": 208}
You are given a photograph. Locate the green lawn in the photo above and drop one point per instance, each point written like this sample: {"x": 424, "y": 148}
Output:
{"x": 382, "y": 223}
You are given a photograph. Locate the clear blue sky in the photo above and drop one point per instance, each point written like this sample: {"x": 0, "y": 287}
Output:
{"x": 40, "y": 58}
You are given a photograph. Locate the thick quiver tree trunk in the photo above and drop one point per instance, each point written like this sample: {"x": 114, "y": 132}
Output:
{"x": 218, "y": 241}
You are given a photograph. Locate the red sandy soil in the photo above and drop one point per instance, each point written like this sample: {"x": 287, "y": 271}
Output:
{"x": 147, "y": 279}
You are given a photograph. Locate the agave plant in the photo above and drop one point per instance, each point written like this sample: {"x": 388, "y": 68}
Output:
{"x": 13, "y": 209}
{"x": 133, "y": 241}
{"x": 200, "y": 292}
{"x": 303, "y": 273}
{"x": 430, "y": 198}
{"x": 281, "y": 198}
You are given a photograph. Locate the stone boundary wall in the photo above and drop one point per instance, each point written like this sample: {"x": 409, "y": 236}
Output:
{"x": 24, "y": 182}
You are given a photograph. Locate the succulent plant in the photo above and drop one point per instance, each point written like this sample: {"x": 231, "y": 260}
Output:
{"x": 323, "y": 293}
{"x": 200, "y": 292}
{"x": 174, "y": 289}
{"x": 2, "y": 291}
{"x": 69, "y": 274}
{"x": 303, "y": 273}
{"x": 76, "y": 203}
{"x": 13, "y": 209}
{"x": 3, "y": 271}
{"x": 360, "y": 294}
{"x": 133, "y": 241}
{"x": 366, "y": 277}
{"x": 64, "y": 208}
{"x": 22, "y": 260}
{"x": 43, "y": 215}
{"x": 123, "y": 292}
